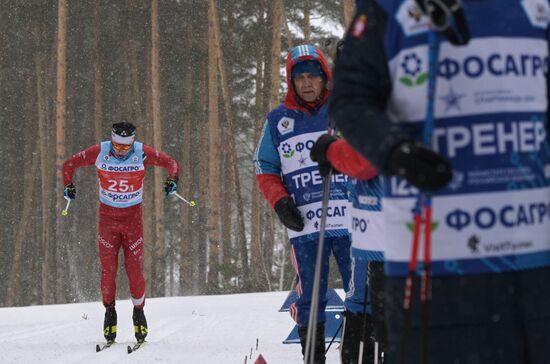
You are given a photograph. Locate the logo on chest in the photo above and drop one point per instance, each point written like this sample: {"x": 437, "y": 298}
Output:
{"x": 285, "y": 125}
{"x": 411, "y": 18}
{"x": 538, "y": 12}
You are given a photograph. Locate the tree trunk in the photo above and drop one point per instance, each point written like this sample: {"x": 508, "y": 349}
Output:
{"x": 276, "y": 53}
{"x": 231, "y": 152}
{"x": 348, "y": 12}
{"x": 288, "y": 34}
{"x": 44, "y": 177}
{"x": 187, "y": 260}
{"x": 148, "y": 194}
{"x": 14, "y": 294}
{"x": 158, "y": 266}
{"x": 98, "y": 97}
{"x": 60, "y": 153}
{"x": 213, "y": 216}
{"x": 306, "y": 25}
{"x": 202, "y": 160}
{"x": 226, "y": 217}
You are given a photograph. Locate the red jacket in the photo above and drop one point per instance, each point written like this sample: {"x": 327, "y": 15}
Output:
{"x": 88, "y": 157}
{"x": 348, "y": 161}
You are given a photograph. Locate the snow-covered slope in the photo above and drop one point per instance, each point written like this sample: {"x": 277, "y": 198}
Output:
{"x": 195, "y": 330}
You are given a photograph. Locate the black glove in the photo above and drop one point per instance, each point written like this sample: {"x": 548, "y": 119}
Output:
{"x": 69, "y": 192}
{"x": 289, "y": 214}
{"x": 420, "y": 166}
{"x": 170, "y": 186}
{"x": 318, "y": 154}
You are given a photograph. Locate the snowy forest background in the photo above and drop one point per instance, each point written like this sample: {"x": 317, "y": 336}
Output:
{"x": 197, "y": 77}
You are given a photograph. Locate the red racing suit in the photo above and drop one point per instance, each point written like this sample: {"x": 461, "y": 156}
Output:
{"x": 120, "y": 222}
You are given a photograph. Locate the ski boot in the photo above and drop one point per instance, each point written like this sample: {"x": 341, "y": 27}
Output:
{"x": 319, "y": 342}
{"x": 109, "y": 324}
{"x": 140, "y": 324}
{"x": 355, "y": 325}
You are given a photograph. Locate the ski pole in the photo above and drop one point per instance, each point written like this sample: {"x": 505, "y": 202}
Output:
{"x": 190, "y": 203}
{"x": 312, "y": 324}
{"x": 365, "y": 317}
{"x": 407, "y": 297}
{"x": 334, "y": 336}
{"x": 65, "y": 211}
{"x": 425, "y": 285}
{"x": 422, "y": 214}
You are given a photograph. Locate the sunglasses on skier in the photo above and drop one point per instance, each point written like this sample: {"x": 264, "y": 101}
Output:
{"x": 121, "y": 147}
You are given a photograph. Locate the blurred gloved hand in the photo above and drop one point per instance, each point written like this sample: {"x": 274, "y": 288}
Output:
{"x": 289, "y": 214}
{"x": 69, "y": 192}
{"x": 420, "y": 166}
{"x": 170, "y": 186}
{"x": 318, "y": 154}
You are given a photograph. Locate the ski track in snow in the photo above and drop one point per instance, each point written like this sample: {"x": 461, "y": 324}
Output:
{"x": 194, "y": 329}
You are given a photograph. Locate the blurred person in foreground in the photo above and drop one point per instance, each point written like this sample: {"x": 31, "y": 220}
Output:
{"x": 486, "y": 168}
{"x": 120, "y": 164}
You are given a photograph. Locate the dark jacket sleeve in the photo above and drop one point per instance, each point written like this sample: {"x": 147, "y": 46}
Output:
{"x": 362, "y": 87}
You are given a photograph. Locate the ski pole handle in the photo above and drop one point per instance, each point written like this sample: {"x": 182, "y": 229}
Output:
{"x": 190, "y": 203}
{"x": 65, "y": 211}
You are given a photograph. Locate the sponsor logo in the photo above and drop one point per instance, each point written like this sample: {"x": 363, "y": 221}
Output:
{"x": 135, "y": 158}
{"x": 307, "y": 196}
{"x": 135, "y": 245}
{"x": 415, "y": 12}
{"x": 473, "y": 243}
{"x": 121, "y": 197}
{"x": 508, "y": 216}
{"x": 452, "y": 100}
{"x": 285, "y": 125}
{"x": 538, "y": 12}
{"x": 106, "y": 158}
{"x": 336, "y": 211}
{"x": 412, "y": 67}
{"x": 504, "y": 247}
{"x": 123, "y": 168}
{"x": 495, "y": 64}
{"x": 474, "y": 66}
{"x": 411, "y": 18}
{"x": 287, "y": 150}
{"x": 104, "y": 242}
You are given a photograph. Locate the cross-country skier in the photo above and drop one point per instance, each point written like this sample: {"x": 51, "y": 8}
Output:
{"x": 120, "y": 164}
{"x": 291, "y": 183}
{"x": 490, "y": 226}
{"x": 367, "y": 235}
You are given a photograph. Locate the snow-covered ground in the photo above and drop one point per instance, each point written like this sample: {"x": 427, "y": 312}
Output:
{"x": 196, "y": 330}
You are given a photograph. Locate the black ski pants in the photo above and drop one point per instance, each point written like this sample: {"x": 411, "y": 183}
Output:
{"x": 500, "y": 318}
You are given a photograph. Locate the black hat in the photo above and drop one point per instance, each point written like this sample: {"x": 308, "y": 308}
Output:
{"x": 124, "y": 129}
